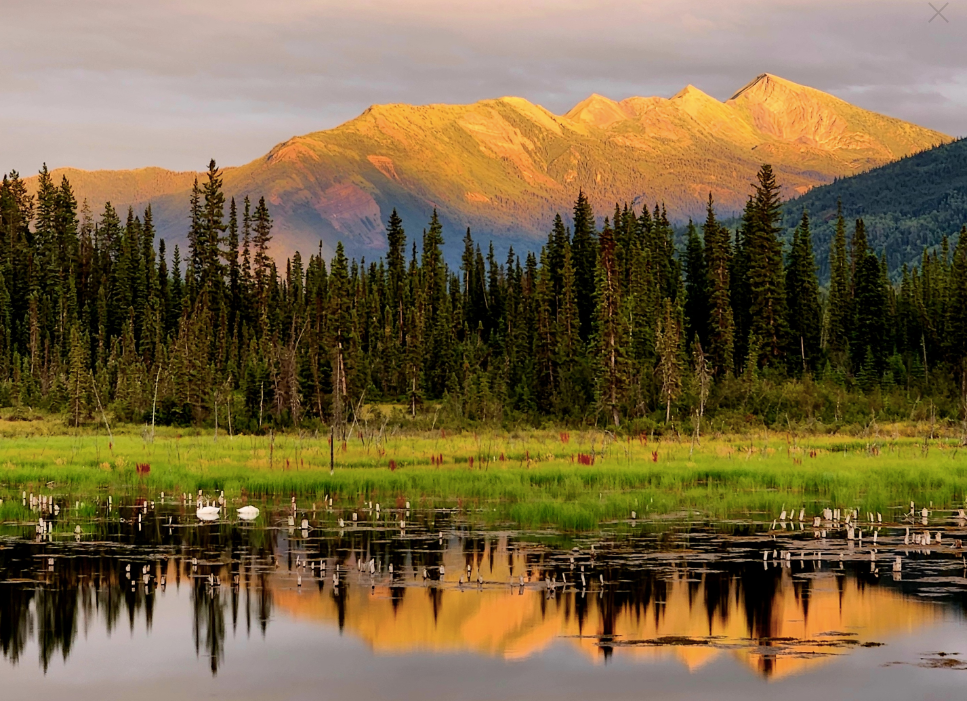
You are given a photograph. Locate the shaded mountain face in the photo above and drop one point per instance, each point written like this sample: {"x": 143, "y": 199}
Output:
{"x": 906, "y": 205}
{"x": 504, "y": 167}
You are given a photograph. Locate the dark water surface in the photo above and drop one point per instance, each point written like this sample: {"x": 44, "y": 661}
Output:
{"x": 148, "y": 602}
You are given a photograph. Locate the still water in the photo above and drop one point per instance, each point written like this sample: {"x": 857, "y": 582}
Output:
{"x": 148, "y": 601}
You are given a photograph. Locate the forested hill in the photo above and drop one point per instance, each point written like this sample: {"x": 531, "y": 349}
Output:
{"x": 907, "y": 205}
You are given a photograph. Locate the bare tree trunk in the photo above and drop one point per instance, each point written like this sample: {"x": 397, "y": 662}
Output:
{"x": 154, "y": 402}
{"x": 103, "y": 415}
{"x": 963, "y": 402}
{"x": 926, "y": 376}
{"x": 338, "y": 390}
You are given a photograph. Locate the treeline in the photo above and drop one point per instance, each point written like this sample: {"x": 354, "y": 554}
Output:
{"x": 610, "y": 326}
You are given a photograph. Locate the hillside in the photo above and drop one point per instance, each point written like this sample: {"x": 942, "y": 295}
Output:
{"x": 906, "y": 205}
{"x": 504, "y": 167}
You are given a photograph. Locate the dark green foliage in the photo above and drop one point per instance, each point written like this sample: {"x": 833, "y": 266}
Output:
{"x": 761, "y": 255}
{"x": 558, "y": 242}
{"x": 261, "y": 281}
{"x": 610, "y": 330}
{"x": 870, "y": 334}
{"x": 396, "y": 267}
{"x": 907, "y": 206}
{"x": 212, "y": 229}
{"x": 597, "y": 328}
{"x": 957, "y": 309}
{"x": 584, "y": 255}
{"x": 840, "y": 306}
{"x": 802, "y": 300}
{"x": 696, "y": 289}
{"x": 720, "y": 324}
{"x": 739, "y": 293}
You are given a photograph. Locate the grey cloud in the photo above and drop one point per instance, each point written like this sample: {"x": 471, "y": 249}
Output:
{"x": 106, "y": 83}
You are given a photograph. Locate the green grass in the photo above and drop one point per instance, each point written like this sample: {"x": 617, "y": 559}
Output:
{"x": 528, "y": 479}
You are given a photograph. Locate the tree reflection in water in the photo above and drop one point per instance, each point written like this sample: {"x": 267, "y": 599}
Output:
{"x": 50, "y": 589}
{"x": 654, "y": 586}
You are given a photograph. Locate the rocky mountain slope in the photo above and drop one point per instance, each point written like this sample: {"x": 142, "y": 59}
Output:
{"x": 504, "y": 167}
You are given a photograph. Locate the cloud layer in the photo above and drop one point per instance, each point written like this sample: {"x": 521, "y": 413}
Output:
{"x": 113, "y": 84}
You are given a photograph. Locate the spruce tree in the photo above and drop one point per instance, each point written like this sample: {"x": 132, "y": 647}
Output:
{"x": 575, "y": 390}
{"x": 644, "y": 299}
{"x": 495, "y": 296}
{"x": 584, "y": 257}
{"x": 110, "y": 236}
{"x": 546, "y": 375}
{"x": 341, "y": 338}
{"x": 557, "y": 241}
{"x": 802, "y": 300}
{"x": 741, "y": 295}
{"x": 177, "y": 291}
{"x": 261, "y": 237}
{"x": 869, "y": 348}
{"x": 247, "y": 279}
{"x": 164, "y": 289}
{"x": 668, "y": 348}
{"x": 957, "y": 309}
{"x": 44, "y": 234}
{"x": 396, "y": 266}
{"x": 610, "y": 330}
{"x": 213, "y": 230}
{"x": 65, "y": 253}
{"x": 721, "y": 328}
{"x": 661, "y": 243}
{"x": 437, "y": 359}
{"x": 840, "y": 303}
{"x": 473, "y": 305}
{"x": 763, "y": 254}
{"x": 234, "y": 269}
{"x": 696, "y": 289}
{"x": 859, "y": 246}
{"x": 78, "y": 377}
{"x": 6, "y": 330}
{"x": 196, "y": 240}
{"x": 151, "y": 281}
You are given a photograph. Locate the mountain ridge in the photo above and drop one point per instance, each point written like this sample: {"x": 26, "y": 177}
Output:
{"x": 505, "y": 166}
{"x": 907, "y": 206}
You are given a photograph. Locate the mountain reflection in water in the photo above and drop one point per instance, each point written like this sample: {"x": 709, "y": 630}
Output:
{"x": 690, "y": 592}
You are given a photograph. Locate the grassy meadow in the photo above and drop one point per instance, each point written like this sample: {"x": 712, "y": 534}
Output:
{"x": 572, "y": 480}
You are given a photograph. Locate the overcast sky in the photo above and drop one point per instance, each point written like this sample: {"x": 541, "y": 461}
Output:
{"x": 126, "y": 83}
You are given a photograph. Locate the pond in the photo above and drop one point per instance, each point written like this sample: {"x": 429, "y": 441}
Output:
{"x": 140, "y": 597}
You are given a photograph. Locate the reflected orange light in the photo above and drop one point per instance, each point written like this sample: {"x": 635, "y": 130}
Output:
{"x": 498, "y": 620}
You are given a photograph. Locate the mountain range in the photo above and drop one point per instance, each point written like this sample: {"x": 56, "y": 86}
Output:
{"x": 505, "y": 166}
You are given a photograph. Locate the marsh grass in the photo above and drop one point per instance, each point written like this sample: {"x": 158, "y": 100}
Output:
{"x": 530, "y": 478}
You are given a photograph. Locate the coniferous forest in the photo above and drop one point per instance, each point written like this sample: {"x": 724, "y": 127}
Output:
{"x": 608, "y": 324}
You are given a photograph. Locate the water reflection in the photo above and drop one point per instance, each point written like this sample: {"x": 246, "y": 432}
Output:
{"x": 50, "y": 589}
{"x": 774, "y": 619}
{"x": 692, "y": 592}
